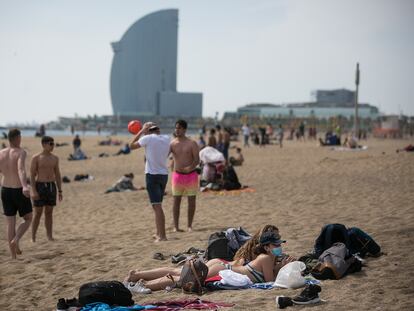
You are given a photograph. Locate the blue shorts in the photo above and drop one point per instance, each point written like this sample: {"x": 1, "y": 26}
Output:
{"x": 156, "y": 187}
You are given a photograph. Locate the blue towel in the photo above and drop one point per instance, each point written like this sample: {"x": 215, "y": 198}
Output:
{"x": 99, "y": 306}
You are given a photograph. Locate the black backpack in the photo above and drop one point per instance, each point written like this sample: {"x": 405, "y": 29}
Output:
{"x": 362, "y": 243}
{"x": 109, "y": 292}
{"x": 218, "y": 247}
{"x": 329, "y": 235}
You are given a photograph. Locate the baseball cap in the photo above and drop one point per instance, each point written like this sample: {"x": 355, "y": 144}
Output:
{"x": 154, "y": 127}
{"x": 271, "y": 238}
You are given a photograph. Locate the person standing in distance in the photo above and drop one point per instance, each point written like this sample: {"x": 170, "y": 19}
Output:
{"x": 157, "y": 148}
{"x": 184, "y": 177}
{"x": 44, "y": 177}
{"x": 15, "y": 193}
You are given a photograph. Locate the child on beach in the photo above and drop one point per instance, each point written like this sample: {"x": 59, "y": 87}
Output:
{"x": 45, "y": 178}
{"x": 238, "y": 159}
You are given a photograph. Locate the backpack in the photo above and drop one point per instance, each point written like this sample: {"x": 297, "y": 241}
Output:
{"x": 329, "y": 235}
{"x": 362, "y": 243}
{"x": 236, "y": 238}
{"x": 193, "y": 276}
{"x": 335, "y": 262}
{"x": 109, "y": 292}
{"x": 218, "y": 247}
{"x": 231, "y": 181}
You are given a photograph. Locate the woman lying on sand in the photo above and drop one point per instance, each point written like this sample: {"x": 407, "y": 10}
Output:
{"x": 260, "y": 259}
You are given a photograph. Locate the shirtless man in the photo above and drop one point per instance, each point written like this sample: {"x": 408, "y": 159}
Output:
{"x": 184, "y": 177}
{"x": 226, "y": 143}
{"x": 211, "y": 140}
{"x": 15, "y": 193}
{"x": 220, "y": 145}
{"x": 44, "y": 176}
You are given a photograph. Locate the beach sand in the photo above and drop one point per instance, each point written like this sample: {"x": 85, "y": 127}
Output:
{"x": 299, "y": 188}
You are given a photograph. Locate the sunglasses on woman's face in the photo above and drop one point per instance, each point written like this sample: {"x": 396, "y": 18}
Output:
{"x": 51, "y": 143}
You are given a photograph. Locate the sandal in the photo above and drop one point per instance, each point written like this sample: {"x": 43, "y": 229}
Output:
{"x": 158, "y": 256}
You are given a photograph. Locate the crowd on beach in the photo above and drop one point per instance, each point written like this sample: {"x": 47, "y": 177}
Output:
{"x": 34, "y": 194}
{"x": 183, "y": 152}
{"x": 42, "y": 187}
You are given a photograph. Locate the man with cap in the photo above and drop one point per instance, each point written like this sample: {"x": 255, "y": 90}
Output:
{"x": 157, "y": 148}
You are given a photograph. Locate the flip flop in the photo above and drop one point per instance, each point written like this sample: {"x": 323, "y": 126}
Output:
{"x": 158, "y": 256}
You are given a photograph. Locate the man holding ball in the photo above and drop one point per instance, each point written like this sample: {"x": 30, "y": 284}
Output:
{"x": 157, "y": 148}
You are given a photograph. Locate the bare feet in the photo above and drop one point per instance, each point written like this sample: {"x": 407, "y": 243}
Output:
{"x": 13, "y": 249}
{"x": 190, "y": 229}
{"x": 178, "y": 230}
{"x": 33, "y": 239}
{"x": 158, "y": 239}
{"x": 50, "y": 239}
{"x": 18, "y": 250}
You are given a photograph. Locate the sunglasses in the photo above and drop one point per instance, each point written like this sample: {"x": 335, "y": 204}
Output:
{"x": 50, "y": 143}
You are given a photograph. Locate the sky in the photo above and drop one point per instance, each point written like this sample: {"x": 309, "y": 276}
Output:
{"x": 55, "y": 55}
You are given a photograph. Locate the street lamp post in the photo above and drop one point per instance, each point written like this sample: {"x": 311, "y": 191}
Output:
{"x": 356, "y": 127}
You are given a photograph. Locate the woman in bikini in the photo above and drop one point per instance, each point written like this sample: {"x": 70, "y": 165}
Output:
{"x": 263, "y": 268}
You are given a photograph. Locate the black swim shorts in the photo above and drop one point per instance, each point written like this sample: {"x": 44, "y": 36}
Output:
{"x": 156, "y": 187}
{"x": 47, "y": 194}
{"x": 15, "y": 201}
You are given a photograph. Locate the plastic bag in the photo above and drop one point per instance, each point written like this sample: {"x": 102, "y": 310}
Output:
{"x": 210, "y": 155}
{"x": 290, "y": 275}
{"x": 229, "y": 277}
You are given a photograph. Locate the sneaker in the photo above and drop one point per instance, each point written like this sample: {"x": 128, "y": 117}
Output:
{"x": 283, "y": 302}
{"x": 308, "y": 296}
{"x": 73, "y": 303}
{"x": 62, "y": 305}
{"x": 138, "y": 287}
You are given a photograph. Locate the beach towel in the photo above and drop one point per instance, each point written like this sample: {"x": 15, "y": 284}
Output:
{"x": 228, "y": 192}
{"x": 361, "y": 148}
{"x": 99, "y": 306}
{"x": 185, "y": 304}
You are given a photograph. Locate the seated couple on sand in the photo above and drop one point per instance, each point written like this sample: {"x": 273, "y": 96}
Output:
{"x": 78, "y": 154}
{"x": 260, "y": 259}
{"x": 331, "y": 139}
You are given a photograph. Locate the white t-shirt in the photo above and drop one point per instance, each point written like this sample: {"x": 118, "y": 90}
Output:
{"x": 157, "y": 148}
{"x": 245, "y": 130}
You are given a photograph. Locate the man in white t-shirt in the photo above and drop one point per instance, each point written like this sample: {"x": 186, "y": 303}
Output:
{"x": 157, "y": 148}
{"x": 246, "y": 134}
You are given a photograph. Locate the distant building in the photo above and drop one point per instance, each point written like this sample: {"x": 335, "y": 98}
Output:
{"x": 341, "y": 97}
{"x": 328, "y": 104}
{"x": 144, "y": 70}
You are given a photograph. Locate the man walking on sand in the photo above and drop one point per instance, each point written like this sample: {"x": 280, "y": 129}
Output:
{"x": 184, "y": 177}
{"x": 15, "y": 193}
{"x": 44, "y": 176}
{"x": 157, "y": 148}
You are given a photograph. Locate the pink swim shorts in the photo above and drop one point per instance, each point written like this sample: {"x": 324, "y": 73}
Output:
{"x": 184, "y": 184}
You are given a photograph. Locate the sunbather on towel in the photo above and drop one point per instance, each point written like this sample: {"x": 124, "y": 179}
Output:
{"x": 123, "y": 184}
{"x": 261, "y": 269}
{"x": 250, "y": 250}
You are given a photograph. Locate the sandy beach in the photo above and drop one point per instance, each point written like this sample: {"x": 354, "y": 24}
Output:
{"x": 299, "y": 188}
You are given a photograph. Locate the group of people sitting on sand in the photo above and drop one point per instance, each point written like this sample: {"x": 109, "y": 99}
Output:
{"x": 332, "y": 139}
{"x": 260, "y": 259}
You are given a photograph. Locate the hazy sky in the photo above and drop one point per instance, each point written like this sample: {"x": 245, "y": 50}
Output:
{"x": 55, "y": 56}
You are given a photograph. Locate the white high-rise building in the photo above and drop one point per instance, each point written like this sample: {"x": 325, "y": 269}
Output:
{"x": 144, "y": 70}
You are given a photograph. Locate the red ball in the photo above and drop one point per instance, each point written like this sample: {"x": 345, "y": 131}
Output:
{"x": 134, "y": 127}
